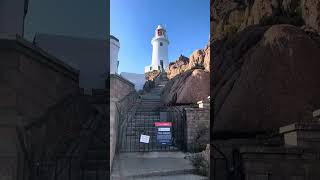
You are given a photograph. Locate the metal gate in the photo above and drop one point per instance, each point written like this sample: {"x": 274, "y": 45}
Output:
{"x": 143, "y": 123}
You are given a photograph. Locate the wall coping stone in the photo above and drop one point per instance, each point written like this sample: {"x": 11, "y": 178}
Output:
{"x": 301, "y": 126}
{"x": 9, "y": 41}
{"x": 121, "y": 79}
{"x": 276, "y": 150}
{"x": 196, "y": 109}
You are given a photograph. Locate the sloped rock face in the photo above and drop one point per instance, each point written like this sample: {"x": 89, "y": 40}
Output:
{"x": 265, "y": 78}
{"x": 187, "y": 88}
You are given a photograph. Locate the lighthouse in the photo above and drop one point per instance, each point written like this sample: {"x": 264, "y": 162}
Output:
{"x": 160, "y": 44}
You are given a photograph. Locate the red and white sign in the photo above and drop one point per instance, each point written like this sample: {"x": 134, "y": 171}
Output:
{"x": 163, "y": 124}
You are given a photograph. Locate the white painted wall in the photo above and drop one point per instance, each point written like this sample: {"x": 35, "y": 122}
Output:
{"x": 11, "y": 16}
{"x": 114, "y": 51}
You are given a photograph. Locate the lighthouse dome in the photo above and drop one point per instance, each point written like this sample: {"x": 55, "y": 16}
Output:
{"x": 160, "y": 27}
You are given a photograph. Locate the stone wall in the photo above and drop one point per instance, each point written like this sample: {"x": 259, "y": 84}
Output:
{"x": 190, "y": 127}
{"x": 120, "y": 87}
{"x": 291, "y": 153}
{"x": 197, "y": 128}
{"x": 31, "y": 81}
{"x": 122, "y": 99}
{"x": 280, "y": 163}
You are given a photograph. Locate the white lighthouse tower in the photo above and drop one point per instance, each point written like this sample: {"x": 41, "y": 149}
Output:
{"x": 160, "y": 44}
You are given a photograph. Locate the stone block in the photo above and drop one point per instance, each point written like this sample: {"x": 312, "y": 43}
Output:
{"x": 316, "y": 113}
{"x": 302, "y": 134}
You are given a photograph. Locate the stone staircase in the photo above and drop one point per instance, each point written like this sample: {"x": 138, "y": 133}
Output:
{"x": 139, "y": 161}
{"x": 147, "y": 113}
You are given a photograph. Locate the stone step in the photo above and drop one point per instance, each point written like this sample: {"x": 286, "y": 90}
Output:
{"x": 172, "y": 177}
{"x": 146, "y": 117}
{"x": 147, "y": 114}
{"x": 142, "y": 147}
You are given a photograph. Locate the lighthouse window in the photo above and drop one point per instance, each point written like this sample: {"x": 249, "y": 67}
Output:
{"x": 161, "y": 44}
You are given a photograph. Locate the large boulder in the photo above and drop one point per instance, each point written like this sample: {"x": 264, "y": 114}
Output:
{"x": 187, "y": 88}
{"x": 265, "y": 78}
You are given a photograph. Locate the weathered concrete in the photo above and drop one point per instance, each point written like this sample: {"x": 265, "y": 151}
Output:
{"x": 153, "y": 165}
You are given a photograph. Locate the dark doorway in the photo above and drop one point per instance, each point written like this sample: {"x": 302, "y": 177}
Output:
{"x": 161, "y": 64}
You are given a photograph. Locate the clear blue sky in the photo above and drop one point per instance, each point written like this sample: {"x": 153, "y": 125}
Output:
{"x": 133, "y": 22}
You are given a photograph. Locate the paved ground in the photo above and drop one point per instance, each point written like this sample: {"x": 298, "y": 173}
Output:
{"x": 153, "y": 165}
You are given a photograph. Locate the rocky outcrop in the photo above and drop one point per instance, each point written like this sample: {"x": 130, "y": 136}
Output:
{"x": 311, "y": 13}
{"x": 187, "y": 88}
{"x": 178, "y": 67}
{"x": 196, "y": 59}
{"x": 229, "y": 16}
{"x": 152, "y": 75}
{"x": 265, "y": 78}
{"x": 199, "y": 59}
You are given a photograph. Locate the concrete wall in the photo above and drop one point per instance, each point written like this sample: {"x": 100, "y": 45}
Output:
{"x": 31, "y": 81}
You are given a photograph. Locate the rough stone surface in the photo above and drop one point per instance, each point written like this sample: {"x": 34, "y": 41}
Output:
{"x": 187, "y": 88}
{"x": 196, "y": 58}
{"x": 152, "y": 75}
{"x": 233, "y": 16}
{"x": 264, "y": 78}
{"x": 311, "y": 13}
{"x": 197, "y": 129}
{"x": 177, "y": 67}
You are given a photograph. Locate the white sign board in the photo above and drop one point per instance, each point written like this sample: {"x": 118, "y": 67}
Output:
{"x": 144, "y": 138}
{"x": 163, "y": 129}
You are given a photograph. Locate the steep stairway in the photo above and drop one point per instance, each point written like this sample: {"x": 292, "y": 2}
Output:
{"x": 150, "y": 161}
{"x": 147, "y": 113}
